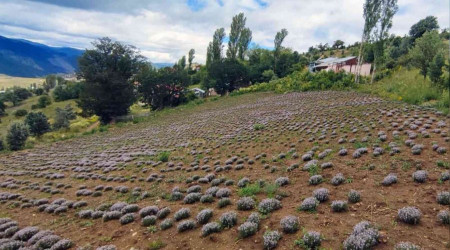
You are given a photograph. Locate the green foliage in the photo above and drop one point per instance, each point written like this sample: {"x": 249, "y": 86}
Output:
{"x": 44, "y": 101}
{"x": 304, "y": 81}
{"x": 17, "y": 136}
{"x": 425, "y": 50}
{"x": 70, "y": 90}
{"x": 314, "y": 170}
{"x": 249, "y": 190}
{"x": 63, "y": 117}
{"x": 156, "y": 244}
{"x": 37, "y": 123}
{"x": 270, "y": 190}
{"x": 258, "y": 126}
{"x": 164, "y": 87}
{"x": 429, "y": 23}
{"x": 164, "y": 156}
{"x": 239, "y": 38}
{"x": 21, "y": 112}
{"x": 435, "y": 70}
{"x": 15, "y": 95}
{"x": 107, "y": 70}
{"x": 227, "y": 75}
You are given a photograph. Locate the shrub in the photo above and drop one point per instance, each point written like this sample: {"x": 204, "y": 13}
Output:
{"x": 309, "y": 204}
{"x": 243, "y": 182}
{"x": 443, "y": 198}
{"x": 62, "y": 245}
{"x": 339, "y": 206}
{"x": 25, "y": 234}
{"x": 183, "y": 213}
{"x": 311, "y": 240}
{"x": 420, "y": 176}
{"x": 270, "y": 239}
{"x": 194, "y": 189}
{"x": 166, "y": 224}
{"x": 176, "y": 196}
{"x": 338, "y": 179}
{"x": 315, "y": 179}
{"x": 268, "y": 205}
{"x": 245, "y": 203}
{"x": 207, "y": 198}
{"x": 164, "y": 156}
{"x": 21, "y": 112}
{"x": 258, "y": 126}
{"x": 389, "y": 180}
{"x": 127, "y": 218}
{"x": 254, "y": 217}
{"x": 282, "y": 181}
{"x": 111, "y": 215}
{"x": 17, "y": 136}
{"x": 406, "y": 246}
{"x": 63, "y": 117}
{"x": 185, "y": 225}
{"x": 70, "y": 90}
{"x": 228, "y": 219}
{"x": 204, "y": 216}
{"x": 321, "y": 194}
{"x": 364, "y": 236}
{"x": 247, "y": 229}
{"x": 148, "y": 220}
{"x": 210, "y": 228}
{"x": 132, "y": 208}
{"x": 223, "y": 192}
{"x": 44, "y": 101}
{"x": 163, "y": 213}
{"x": 409, "y": 215}
{"x": 37, "y": 123}
{"x": 47, "y": 241}
{"x": 250, "y": 190}
{"x": 192, "y": 198}
{"x": 444, "y": 217}
{"x": 354, "y": 196}
{"x": 224, "y": 202}
{"x": 290, "y": 224}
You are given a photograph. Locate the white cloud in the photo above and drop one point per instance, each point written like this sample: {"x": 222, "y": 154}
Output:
{"x": 166, "y": 30}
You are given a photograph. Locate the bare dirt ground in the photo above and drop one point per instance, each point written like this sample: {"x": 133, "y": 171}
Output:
{"x": 258, "y": 136}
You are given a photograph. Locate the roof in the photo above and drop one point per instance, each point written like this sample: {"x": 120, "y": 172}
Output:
{"x": 198, "y": 90}
{"x": 331, "y": 60}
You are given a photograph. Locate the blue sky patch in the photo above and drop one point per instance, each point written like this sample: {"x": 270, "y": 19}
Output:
{"x": 196, "y": 5}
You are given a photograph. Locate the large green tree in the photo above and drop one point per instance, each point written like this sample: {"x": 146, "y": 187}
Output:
{"x": 240, "y": 37}
{"x": 191, "y": 56}
{"x": 37, "y": 123}
{"x": 227, "y": 75}
{"x": 278, "y": 41}
{"x": 107, "y": 70}
{"x": 17, "y": 136}
{"x": 429, "y": 23}
{"x": 424, "y": 51}
{"x": 214, "y": 51}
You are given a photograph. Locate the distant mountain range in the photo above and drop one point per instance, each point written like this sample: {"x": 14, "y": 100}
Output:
{"x": 24, "y": 58}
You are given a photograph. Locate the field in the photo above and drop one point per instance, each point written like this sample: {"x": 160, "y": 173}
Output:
{"x": 277, "y": 150}
{"x": 24, "y": 82}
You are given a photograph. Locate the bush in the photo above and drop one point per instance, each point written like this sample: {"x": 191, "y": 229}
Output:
{"x": 63, "y": 117}
{"x": 183, "y": 213}
{"x": 282, "y": 181}
{"x": 163, "y": 213}
{"x": 149, "y": 220}
{"x": 245, "y": 203}
{"x": 321, "y": 194}
{"x": 290, "y": 224}
{"x": 443, "y": 198}
{"x": 420, "y": 176}
{"x": 270, "y": 239}
{"x": 212, "y": 227}
{"x": 37, "y": 123}
{"x": 149, "y": 210}
{"x": 338, "y": 179}
{"x": 309, "y": 204}
{"x": 228, "y": 219}
{"x": 192, "y": 198}
{"x": 21, "y": 112}
{"x": 364, "y": 236}
{"x": 409, "y": 215}
{"x": 389, "y": 180}
{"x": 444, "y": 217}
{"x": 339, "y": 206}
{"x": 406, "y": 246}
{"x": 166, "y": 224}
{"x": 354, "y": 196}
{"x": 224, "y": 202}
{"x": 127, "y": 218}
{"x": 185, "y": 225}
{"x": 315, "y": 179}
{"x": 311, "y": 240}
{"x": 111, "y": 215}
{"x": 268, "y": 205}
{"x": 164, "y": 156}
{"x": 204, "y": 216}
{"x": 17, "y": 136}
{"x": 247, "y": 229}
{"x": 70, "y": 90}
{"x": 44, "y": 101}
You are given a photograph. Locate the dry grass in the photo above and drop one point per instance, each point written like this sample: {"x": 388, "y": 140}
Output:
{"x": 12, "y": 81}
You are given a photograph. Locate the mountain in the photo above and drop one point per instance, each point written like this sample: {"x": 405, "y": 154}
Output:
{"x": 23, "y": 58}
{"x": 162, "y": 65}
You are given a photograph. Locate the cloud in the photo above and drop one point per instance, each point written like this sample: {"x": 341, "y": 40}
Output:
{"x": 166, "y": 30}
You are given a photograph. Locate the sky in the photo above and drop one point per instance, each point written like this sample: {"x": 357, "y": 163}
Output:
{"x": 165, "y": 30}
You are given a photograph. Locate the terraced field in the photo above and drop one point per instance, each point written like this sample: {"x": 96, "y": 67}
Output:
{"x": 335, "y": 169}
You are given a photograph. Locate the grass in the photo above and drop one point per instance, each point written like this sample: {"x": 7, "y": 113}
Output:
{"x": 409, "y": 86}
{"x": 12, "y": 81}
{"x": 164, "y": 156}
{"x": 249, "y": 190}
{"x": 258, "y": 126}
{"x": 156, "y": 244}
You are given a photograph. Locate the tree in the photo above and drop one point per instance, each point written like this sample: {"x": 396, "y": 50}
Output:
{"x": 338, "y": 44}
{"x": 244, "y": 41}
{"x": 182, "y": 63}
{"x": 17, "y": 136}
{"x": 239, "y": 38}
{"x": 278, "y": 41}
{"x": 371, "y": 16}
{"x": 227, "y": 75}
{"x": 388, "y": 10}
{"x": 44, "y": 101}
{"x": 435, "y": 70}
{"x": 63, "y": 117}
{"x": 107, "y": 70}
{"x": 163, "y": 87}
{"x": 37, "y": 123}
{"x": 429, "y": 23}
{"x": 214, "y": 51}
{"x": 2, "y": 108}
{"x": 424, "y": 51}
{"x": 70, "y": 90}
{"x": 191, "y": 57}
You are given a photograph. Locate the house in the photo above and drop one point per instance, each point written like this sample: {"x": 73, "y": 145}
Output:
{"x": 199, "y": 92}
{"x": 348, "y": 64}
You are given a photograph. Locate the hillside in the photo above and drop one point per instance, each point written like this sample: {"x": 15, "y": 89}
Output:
{"x": 263, "y": 154}
{"x": 23, "y": 58}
